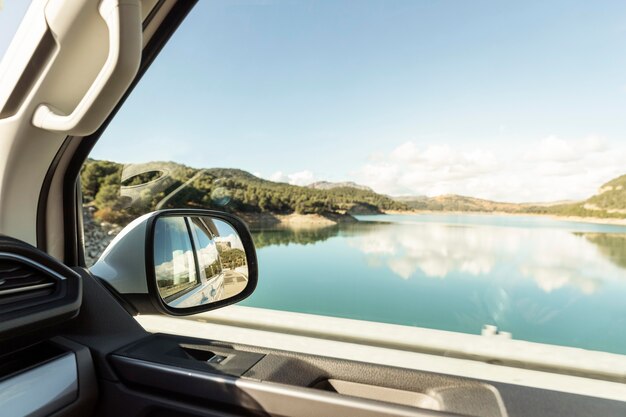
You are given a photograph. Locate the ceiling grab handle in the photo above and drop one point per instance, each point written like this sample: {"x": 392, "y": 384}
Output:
{"x": 123, "y": 20}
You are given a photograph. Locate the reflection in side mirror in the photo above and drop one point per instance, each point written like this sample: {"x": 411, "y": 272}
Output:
{"x": 197, "y": 260}
{"x": 180, "y": 262}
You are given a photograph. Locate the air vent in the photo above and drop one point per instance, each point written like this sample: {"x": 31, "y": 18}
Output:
{"x": 37, "y": 291}
{"x": 21, "y": 282}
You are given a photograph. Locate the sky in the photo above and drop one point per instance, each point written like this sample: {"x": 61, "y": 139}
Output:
{"x": 522, "y": 102}
{"x": 11, "y": 13}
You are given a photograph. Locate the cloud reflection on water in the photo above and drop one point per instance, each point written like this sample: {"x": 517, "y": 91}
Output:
{"x": 552, "y": 258}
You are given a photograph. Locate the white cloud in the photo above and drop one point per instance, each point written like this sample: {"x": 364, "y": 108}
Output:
{"x": 555, "y": 150}
{"x": 305, "y": 177}
{"x": 301, "y": 178}
{"x": 278, "y": 176}
{"x": 550, "y": 169}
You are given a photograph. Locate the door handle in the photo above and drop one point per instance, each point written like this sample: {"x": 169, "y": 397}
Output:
{"x": 123, "y": 20}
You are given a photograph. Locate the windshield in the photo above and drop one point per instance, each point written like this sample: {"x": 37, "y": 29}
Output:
{"x": 450, "y": 165}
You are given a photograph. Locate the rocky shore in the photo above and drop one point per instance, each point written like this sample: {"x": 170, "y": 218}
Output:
{"x": 97, "y": 236}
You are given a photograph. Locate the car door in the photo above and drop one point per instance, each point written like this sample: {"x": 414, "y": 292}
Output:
{"x": 86, "y": 347}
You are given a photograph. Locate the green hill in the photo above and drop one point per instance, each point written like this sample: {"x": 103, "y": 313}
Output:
{"x": 121, "y": 193}
{"x": 610, "y": 197}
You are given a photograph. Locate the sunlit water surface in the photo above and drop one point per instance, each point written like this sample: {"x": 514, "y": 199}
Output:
{"x": 541, "y": 279}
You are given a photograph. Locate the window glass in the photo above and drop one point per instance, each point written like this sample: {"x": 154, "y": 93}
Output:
{"x": 440, "y": 164}
{"x": 11, "y": 14}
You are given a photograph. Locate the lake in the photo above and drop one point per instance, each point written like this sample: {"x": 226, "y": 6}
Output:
{"x": 541, "y": 279}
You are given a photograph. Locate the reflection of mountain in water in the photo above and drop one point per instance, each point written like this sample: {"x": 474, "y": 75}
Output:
{"x": 309, "y": 235}
{"x": 611, "y": 245}
{"x": 298, "y": 236}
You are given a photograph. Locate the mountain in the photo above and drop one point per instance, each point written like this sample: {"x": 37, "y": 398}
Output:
{"x": 326, "y": 185}
{"x": 609, "y": 202}
{"x": 453, "y": 202}
{"x": 120, "y": 193}
{"x": 410, "y": 198}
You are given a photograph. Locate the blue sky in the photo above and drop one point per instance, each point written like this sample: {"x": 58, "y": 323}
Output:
{"x": 11, "y": 13}
{"x": 516, "y": 102}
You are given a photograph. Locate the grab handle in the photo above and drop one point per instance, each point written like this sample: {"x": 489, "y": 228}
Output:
{"x": 123, "y": 20}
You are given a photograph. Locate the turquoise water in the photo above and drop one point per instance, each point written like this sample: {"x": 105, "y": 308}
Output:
{"x": 541, "y": 279}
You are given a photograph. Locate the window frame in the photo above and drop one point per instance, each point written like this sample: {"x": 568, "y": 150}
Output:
{"x": 71, "y": 199}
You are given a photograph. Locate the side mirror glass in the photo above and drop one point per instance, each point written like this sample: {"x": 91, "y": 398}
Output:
{"x": 197, "y": 260}
{"x": 181, "y": 262}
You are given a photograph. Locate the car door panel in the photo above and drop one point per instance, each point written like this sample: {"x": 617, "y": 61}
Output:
{"x": 162, "y": 373}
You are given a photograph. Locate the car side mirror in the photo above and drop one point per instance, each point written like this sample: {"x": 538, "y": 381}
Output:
{"x": 180, "y": 262}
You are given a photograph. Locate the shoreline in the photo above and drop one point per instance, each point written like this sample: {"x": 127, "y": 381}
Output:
{"x": 264, "y": 220}
{"x": 578, "y": 219}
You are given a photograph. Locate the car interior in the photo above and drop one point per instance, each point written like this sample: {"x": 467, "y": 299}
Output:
{"x": 72, "y": 339}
